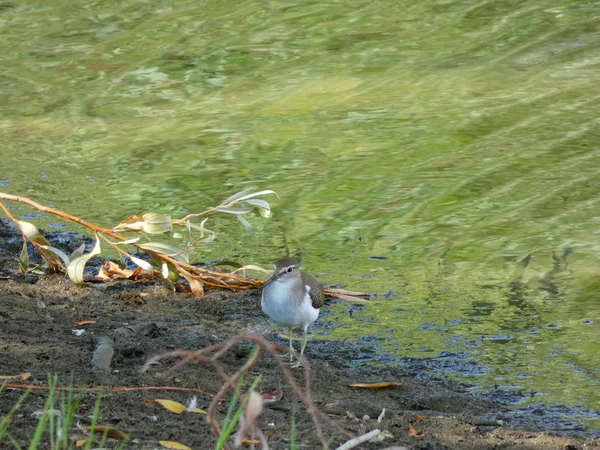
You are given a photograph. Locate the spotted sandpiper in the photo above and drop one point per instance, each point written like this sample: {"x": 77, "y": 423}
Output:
{"x": 292, "y": 298}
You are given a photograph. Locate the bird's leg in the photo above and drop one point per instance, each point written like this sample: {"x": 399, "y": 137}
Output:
{"x": 291, "y": 352}
{"x": 299, "y": 362}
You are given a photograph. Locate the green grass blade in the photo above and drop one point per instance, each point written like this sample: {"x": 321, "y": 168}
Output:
{"x": 48, "y": 407}
{"x": 5, "y": 423}
{"x": 228, "y": 430}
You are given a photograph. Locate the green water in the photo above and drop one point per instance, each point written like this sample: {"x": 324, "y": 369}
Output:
{"x": 458, "y": 140}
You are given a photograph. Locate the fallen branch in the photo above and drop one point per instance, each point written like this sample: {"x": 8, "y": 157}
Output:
{"x": 174, "y": 262}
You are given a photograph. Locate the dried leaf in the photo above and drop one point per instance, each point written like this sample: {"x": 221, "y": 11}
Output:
{"x": 145, "y": 265}
{"x": 272, "y": 397}
{"x": 24, "y": 258}
{"x": 80, "y": 443}
{"x": 166, "y": 249}
{"x": 133, "y": 223}
{"x": 197, "y": 411}
{"x": 110, "y": 432}
{"x": 412, "y": 431}
{"x": 83, "y": 322}
{"x": 375, "y": 385}
{"x": 171, "y": 405}
{"x": 113, "y": 271}
{"x": 75, "y": 268}
{"x": 128, "y": 241}
{"x": 329, "y": 405}
{"x": 157, "y": 223}
{"x": 174, "y": 445}
{"x": 195, "y": 285}
{"x": 58, "y": 252}
{"x": 79, "y": 251}
{"x": 22, "y": 376}
{"x": 34, "y": 236}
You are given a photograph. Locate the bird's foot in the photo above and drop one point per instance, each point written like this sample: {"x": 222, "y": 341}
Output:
{"x": 298, "y": 363}
{"x": 291, "y": 354}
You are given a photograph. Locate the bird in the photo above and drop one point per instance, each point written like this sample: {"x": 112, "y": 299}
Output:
{"x": 292, "y": 298}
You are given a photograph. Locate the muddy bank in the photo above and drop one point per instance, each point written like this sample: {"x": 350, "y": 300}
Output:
{"x": 37, "y": 316}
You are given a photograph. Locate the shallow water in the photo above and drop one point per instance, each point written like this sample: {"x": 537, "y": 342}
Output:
{"x": 445, "y": 153}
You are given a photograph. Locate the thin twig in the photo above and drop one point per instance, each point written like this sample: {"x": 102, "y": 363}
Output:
{"x": 106, "y": 389}
{"x": 211, "y": 355}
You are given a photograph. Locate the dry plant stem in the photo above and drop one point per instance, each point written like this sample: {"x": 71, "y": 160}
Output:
{"x": 107, "y": 389}
{"x": 211, "y": 355}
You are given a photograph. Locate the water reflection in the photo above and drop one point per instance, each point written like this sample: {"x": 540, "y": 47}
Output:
{"x": 443, "y": 153}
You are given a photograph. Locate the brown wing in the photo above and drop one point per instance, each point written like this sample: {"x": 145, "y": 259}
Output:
{"x": 316, "y": 290}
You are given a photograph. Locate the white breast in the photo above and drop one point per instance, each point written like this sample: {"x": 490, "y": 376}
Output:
{"x": 283, "y": 309}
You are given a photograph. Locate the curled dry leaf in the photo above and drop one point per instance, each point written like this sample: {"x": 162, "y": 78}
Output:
{"x": 272, "y": 397}
{"x": 110, "y": 432}
{"x": 195, "y": 285}
{"x": 35, "y": 237}
{"x": 166, "y": 249}
{"x": 412, "y": 431}
{"x": 173, "y": 406}
{"x": 22, "y": 376}
{"x": 83, "y": 322}
{"x": 76, "y": 266}
{"x": 145, "y": 265}
{"x": 111, "y": 270}
{"x": 174, "y": 445}
{"x": 384, "y": 385}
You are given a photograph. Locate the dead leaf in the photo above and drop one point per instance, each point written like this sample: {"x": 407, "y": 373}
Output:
{"x": 174, "y": 407}
{"x": 421, "y": 417}
{"x": 329, "y": 405}
{"x": 375, "y": 385}
{"x": 412, "y": 431}
{"x": 83, "y": 322}
{"x": 110, "y": 432}
{"x": 273, "y": 397}
{"x": 111, "y": 270}
{"x": 80, "y": 443}
{"x": 174, "y": 445}
{"x": 195, "y": 285}
{"x": 22, "y": 376}
{"x": 250, "y": 441}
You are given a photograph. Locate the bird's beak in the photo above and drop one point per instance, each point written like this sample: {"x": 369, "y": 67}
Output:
{"x": 270, "y": 280}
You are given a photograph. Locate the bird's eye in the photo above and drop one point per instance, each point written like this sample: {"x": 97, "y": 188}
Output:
{"x": 290, "y": 269}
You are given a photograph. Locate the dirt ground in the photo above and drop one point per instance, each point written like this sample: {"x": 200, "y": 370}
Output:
{"x": 37, "y": 315}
